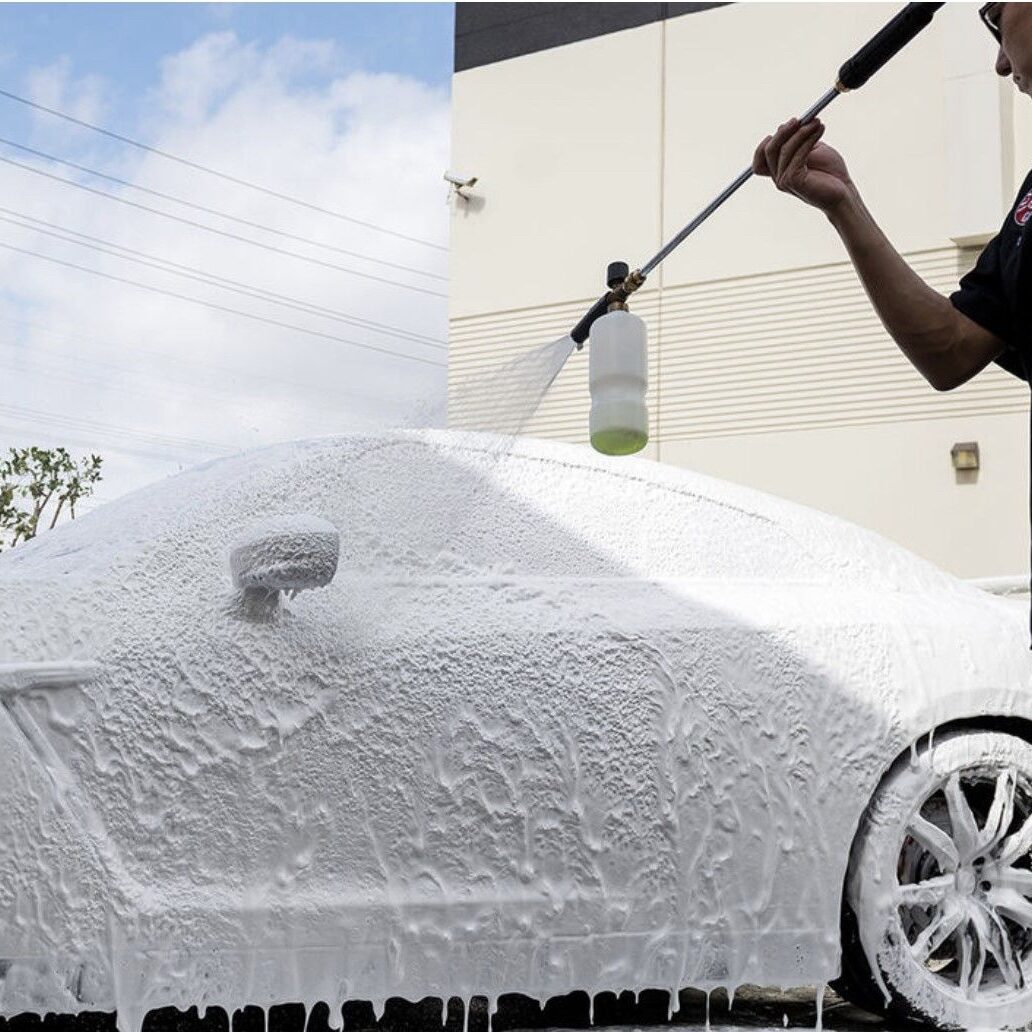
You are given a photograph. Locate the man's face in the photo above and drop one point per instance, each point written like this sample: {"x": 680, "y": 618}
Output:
{"x": 1015, "y": 56}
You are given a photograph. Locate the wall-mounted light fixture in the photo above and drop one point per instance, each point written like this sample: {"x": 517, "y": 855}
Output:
{"x": 964, "y": 456}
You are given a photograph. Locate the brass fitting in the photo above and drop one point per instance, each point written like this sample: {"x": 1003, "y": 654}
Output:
{"x": 633, "y": 282}
{"x": 618, "y": 295}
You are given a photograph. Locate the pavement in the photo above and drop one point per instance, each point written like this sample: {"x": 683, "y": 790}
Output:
{"x": 752, "y": 1008}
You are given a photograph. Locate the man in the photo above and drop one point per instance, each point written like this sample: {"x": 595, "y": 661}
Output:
{"x": 990, "y": 317}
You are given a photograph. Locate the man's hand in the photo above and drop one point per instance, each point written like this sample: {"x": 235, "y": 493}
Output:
{"x": 799, "y": 164}
{"x": 946, "y": 347}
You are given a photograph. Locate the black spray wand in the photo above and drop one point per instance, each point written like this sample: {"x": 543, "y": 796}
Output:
{"x": 888, "y": 42}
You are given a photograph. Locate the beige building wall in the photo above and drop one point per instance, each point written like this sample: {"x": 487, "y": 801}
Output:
{"x": 767, "y": 364}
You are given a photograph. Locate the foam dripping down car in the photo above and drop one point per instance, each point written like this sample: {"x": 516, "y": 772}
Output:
{"x": 406, "y": 715}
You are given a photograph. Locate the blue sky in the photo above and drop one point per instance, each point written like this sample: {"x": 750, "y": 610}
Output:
{"x": 128, "y": 40}
{"x": 343, "y": 105}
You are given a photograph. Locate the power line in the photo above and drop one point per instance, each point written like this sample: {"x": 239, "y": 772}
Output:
{"x": 217, "y": 212}
{"x": 214, "y": 172}
{"x": 120, "y": 348}
{"x": 221, "y": 308}
{"x": 28, "y": 363}
{"x": 89, "y": 440}
{"x": 55, "y": 363}
{"x": 210, "y": 279}
{"x": 110, "y": 429}
{"x": 218, "y": 232}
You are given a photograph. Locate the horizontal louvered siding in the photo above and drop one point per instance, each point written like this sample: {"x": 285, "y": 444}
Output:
{"x": 800, "y": 349}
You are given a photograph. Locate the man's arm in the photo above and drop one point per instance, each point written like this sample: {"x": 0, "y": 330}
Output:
{"x": 943, "y": 344}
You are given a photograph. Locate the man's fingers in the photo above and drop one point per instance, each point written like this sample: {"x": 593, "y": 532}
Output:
{"x": 782, "y": 155}
{"x": 785, "y": 130}
{"x": 759, "y": 161}
{"x": 791, "y": 146}
{"x": 793, "y": 154}
{"x": 774, "y": 143}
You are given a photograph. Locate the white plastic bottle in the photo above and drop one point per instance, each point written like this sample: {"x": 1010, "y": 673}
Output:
{"x": 617, "y": 377}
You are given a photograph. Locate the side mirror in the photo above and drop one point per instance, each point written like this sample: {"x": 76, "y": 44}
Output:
{"x": 286, "y": 553}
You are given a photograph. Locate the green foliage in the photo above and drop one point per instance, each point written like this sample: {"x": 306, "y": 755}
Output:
{"x": 37, "y": 485}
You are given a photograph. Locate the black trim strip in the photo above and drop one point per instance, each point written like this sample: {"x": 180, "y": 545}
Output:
{"x": 486, "y": 33}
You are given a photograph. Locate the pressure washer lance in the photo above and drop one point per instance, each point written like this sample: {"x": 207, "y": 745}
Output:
{"x": 617, "y": 364}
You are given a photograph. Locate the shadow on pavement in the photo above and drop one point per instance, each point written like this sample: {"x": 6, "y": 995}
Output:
{"x": 752, "y": 1008}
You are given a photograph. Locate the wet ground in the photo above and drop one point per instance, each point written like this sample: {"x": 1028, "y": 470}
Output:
{"x": 751, "y": 1009}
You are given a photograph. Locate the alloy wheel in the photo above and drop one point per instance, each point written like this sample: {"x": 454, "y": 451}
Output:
{"x": 964, "y": 884}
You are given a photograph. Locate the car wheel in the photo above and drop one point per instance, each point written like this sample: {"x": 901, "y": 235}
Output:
{"x": 939, "y": 887}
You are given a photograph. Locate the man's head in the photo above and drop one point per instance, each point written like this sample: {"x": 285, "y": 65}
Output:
{"x": 1011, "y": 24}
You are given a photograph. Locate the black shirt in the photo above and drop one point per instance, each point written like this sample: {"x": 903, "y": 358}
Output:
{"x": 997, "y": 292}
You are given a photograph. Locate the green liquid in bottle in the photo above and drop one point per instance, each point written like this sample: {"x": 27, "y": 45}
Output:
{"x": 618, "y": 441}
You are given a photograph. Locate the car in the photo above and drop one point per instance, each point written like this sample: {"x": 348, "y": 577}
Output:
{"x": 418, "y": 713}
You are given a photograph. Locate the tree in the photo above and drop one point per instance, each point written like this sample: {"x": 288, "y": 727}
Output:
{"x": 33, "y": 479}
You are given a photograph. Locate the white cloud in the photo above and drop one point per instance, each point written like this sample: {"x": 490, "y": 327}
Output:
{"x": 55, "y": 87}
{"x": 163, "y": 372}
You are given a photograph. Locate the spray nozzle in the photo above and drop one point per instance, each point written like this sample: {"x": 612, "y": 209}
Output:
{"x": 615, "y": 276}
{"x": 621, "y": 283}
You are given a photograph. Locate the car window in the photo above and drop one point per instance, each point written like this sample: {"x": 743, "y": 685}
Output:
{"x": 468, "y": 511}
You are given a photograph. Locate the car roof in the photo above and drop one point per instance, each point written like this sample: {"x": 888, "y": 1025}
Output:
{"x": 218, "y": 490}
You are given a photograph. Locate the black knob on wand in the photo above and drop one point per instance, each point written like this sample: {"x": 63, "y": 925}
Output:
{"x": 616, "y": 274}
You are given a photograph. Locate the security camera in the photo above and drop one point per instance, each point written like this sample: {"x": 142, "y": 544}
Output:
{"x": 460, "y": 183}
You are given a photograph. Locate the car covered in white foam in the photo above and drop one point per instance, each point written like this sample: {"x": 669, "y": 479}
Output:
{"x": 427, "y": 713}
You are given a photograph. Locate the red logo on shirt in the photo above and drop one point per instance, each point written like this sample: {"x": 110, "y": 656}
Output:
{"x": 1023, "y": 212}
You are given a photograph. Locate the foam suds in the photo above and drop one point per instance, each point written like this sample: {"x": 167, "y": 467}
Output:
{"x": 606, "y": 738}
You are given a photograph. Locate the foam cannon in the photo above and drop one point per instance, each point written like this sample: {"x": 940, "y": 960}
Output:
{"x": 617, "y": 362}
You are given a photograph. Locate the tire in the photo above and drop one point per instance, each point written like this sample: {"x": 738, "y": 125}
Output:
{"x": 940, "y": 887}
{"x": 856, "y": 983}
